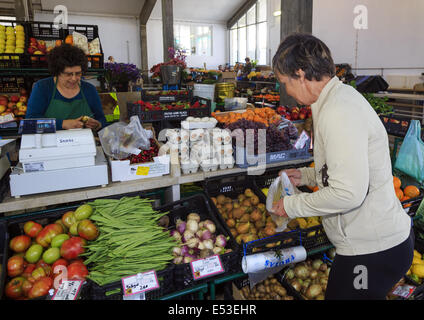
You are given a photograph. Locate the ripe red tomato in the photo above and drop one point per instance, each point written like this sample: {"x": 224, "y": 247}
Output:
{"x": 13, "y": 288}
{"x": 32, "y": 228}
{"x": 77, "y": 271}
{"x": 60, "y": 262}
{"x": 28, "y": 270}
{"x": 40, "y": 287}
{"x": 15, "y": 266}
{"x": 20, "y": 243}
{"x": 87, "y": 230}
{"x": 26, "y": 286}
{"x": 72, "y": 248}
{"x": 48, "y": 233}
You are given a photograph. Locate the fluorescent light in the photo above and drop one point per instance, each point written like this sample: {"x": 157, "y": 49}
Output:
{"x": 277, "y": 13}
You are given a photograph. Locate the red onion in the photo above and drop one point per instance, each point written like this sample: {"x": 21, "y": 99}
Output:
{"x": 176, "y": 235}
{"x": 206, "y": 235}
{"x": 181, "y": 226}
{"x": 184, "y": 251}
{"x": 221, "y": 241}
{"x": 210, "y": 226}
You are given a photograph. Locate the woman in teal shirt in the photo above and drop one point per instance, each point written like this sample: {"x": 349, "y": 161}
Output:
{"x": 64, "y": 96}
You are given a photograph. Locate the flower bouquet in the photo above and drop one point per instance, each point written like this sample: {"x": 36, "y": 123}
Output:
{"x": 118, "y": 75}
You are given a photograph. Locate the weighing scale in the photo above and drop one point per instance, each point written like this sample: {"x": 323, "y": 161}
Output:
{"x": 51, "y": 160}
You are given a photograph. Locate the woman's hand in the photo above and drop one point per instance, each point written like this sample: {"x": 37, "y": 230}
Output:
{"x": 278, "y": 209}
{"x": 93, "y": 124}
{"x": 72, "y": 124}
{"x": 295, "y": 176}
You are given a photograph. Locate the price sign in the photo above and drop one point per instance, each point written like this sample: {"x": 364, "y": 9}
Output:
{"x": 207, "y": 267}
{"x": 142, "y": 171}
{"x": 404, "y": 291}
{"x": 68, "y": 290}
{"x": 139, "y": 283}
{"x": 301, "y": 141}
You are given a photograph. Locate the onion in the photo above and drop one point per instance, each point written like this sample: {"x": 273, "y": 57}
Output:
{"x": 210, "y": 226}
{"x": 184, "y": 251}
{"x": 176, "y": 235}
{"x": 199, "y": 234}
{"x": 301, "y": 272}
{"x": 205, "y": 253}
{"x": 193, "y": 216}
{"x": 192, "y": 226}
{"x": 221, "y": 241}
{"x": 201, "y": 246}
{"x": 187, "y": 236}
{"x": 290, "y": 274}
{"x": 181, "y": 226}
{"x": 178, "y": 260}
{"x": 177, "y": 251}
{"x": 187, "y": 259}
{"x": 201, "y": 225}
{"x": 218, "y": 250}
{"x": 316, "y": 264}
{"x": 208, "y": 244}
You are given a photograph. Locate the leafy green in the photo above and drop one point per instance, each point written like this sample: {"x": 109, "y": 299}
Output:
{"x": 379, "y": 104}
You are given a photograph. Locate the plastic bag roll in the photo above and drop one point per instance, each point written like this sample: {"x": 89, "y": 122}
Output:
{"x": 263, "y": 261}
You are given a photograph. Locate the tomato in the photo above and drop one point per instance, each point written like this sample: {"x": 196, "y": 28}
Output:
{"x": 58, "y": 240}
{"x": 77, "y": 270}
{"x": 32, "y": 228}
{"x": 68, "y": 219}
{"x": 15, "y": 266}
{"x": 28, "y": 270}
{"x": 13, "y": 288}
{"x": 38, "y": 273}
{"x": 26, "y": 286}
{"x": 46, "y": 235}
{"x": 51, "y": 255}
{"x": 47, "y": 268}
{"x": 83, "y": 212}
{"x": 40, "y": 287}
{"x": 87, "y": 230}
{"x": 59, "y": 222}
{"x": 60, "y": 262}
{"x": 34, "y": 252}
{"x": 20, "y": 243}
{"x": 72, "y": 248}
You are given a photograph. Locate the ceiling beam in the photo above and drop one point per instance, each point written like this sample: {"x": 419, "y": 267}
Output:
{"x": 240, "y": 12}
{"x": 146, "y": 11}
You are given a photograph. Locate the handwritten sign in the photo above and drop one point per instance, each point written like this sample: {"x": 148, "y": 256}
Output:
{"x": 68, "y": 290}
{"x": 139, "y": 283}
{"x": 207, "y": 267}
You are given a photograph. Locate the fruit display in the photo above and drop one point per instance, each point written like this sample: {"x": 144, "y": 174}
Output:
{"x": 269, "y": 289}
{"x": 39, "y": 47}
{"x": 197, "y": 239}
{"x": 416, "y": 271}
{"x": 266, "y": 116}
{"x": 295, "y": 113}
{"x": 156, "y": 93}
{"x": 14, "y": 104}
{"x": 33, "y": 270}
{"x": 173, "y": 106}
{"x": 407, "y": 193}
{"x": 309, "y": 278}
{"x": 12, "y": 40}
{"x": 267, "y": 98}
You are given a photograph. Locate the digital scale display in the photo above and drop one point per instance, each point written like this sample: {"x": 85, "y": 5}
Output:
{"x": 37, "y": 126}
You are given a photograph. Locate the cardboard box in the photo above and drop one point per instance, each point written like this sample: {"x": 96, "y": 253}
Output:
{"x": 229, "y": 75}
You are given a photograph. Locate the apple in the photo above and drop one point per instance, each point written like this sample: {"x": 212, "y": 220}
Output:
{"x": 14, "y": 99}
{"x": 31, "y": 50}
{"x": 23, "y": 99}
{"x": 23, "y": 92}
{"x": 2, "y": 108}
{"x": 4, "y": 100}
{"x": 302, "y": 116}
{"x": 10, "y": 105}
{"x": 295, "y": 115}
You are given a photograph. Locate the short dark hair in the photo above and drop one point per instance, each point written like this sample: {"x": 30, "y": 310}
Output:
{"x": 66, "y": 56}
{"x": 305, "y": 52}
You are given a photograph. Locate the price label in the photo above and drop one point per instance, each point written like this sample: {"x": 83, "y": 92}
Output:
{"x": 139, "y": 283}
{"x": 142, "y": 171}
{"x": 301, "y": 141}
{"x": 207, "y": 267}
{"x": 68, "y": 290}
{"x": 404, "y": 291}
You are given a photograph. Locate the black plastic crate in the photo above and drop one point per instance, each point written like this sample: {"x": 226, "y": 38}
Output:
{"x": 4, "y": 242}
{"x": 14, "y": 60}
{"x": 183, "y": 277}
{"x": 12, "y": 84}
{"x": 240, "y": 283}
{"x": 113, "y": 291}
{"x": 166, "y": 96}
{"x": 396, "y": 125}
{"x": 134, "y": 109}
{"x": 281, "y": 240}
{"x": 314, "y": 238}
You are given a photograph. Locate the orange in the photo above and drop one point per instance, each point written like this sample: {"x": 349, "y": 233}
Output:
{"x": 315, "y": 189}
{"x": 312, "y": 165}
{"x": 411, "y": 191}
{"x": 396, "y": 182}
{"x": 399, "y": 193}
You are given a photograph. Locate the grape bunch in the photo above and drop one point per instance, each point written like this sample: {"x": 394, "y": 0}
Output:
{"x": 276, "y": 140}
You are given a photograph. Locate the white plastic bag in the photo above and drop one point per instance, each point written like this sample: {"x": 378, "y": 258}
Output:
{"x": 80, "y": 41}
{"x": 280, "y": 188}
{"x": 120, "y": 140}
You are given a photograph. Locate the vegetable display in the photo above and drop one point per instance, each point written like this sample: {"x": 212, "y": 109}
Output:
{"x": 416, "y": 271}
{"x": 35, "y": 255}
{"x": 131, "y": 240}
{"x": 197, "y": 239}
{"x": 269, "y": 289}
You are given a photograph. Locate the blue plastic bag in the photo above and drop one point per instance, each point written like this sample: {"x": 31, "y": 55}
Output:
{"x": 410, "y": 159}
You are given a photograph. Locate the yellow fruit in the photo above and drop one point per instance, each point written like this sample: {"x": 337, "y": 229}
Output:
{"x": 302, "y": 223}
{"x": 409, "y": 272}
{"x": 265, "y": 191}
{"x": 19, "y": 50}
{"x": 2, "y": 28}
{"x": 418, "y": 269}
{"x": 417, "y": 254}
{"x": 417, "y": 260}
{"x": 19, "y": 28}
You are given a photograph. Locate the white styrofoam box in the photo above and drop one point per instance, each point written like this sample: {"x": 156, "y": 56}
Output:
{"x": 227, "y": 162}
{"x": 58, "y": 180}
{"x": 124, "y": 171}
{"x": 204, "y": 91}
{"x": 190, "y": 125}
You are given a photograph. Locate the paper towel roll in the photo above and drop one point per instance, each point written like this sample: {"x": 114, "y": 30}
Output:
{"x": 260, "y": 262}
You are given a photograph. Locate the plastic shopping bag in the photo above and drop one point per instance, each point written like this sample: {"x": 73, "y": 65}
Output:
{"x": 280, "y": 188}
{"x": 410, "y": 159}
{"x": 120, "y": 140}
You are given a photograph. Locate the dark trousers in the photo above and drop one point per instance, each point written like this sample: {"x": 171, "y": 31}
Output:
{"x": 369, "y": 276}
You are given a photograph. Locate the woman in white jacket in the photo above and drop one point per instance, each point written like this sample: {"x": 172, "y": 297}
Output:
{"x": 362, "y": 216}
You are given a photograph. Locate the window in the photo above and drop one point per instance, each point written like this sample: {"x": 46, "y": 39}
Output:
{"x": 248, "y": 37}
{"x": 193, "y": 39}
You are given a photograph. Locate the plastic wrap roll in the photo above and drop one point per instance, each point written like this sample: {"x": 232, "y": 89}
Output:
{"x": 261, "y": 262}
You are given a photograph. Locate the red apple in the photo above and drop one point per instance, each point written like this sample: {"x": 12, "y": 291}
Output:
{"x": 14, "y": 99}
{"x": 23, "y": 99}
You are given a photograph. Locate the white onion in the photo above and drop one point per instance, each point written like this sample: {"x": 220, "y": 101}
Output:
{"x": 187, "y": 236}
{"x": 192, "y": 226}
{"x": 177, "y": 251}
{"x": 193, "y": 216}
{"x": 192, "y": 243}
{"x": 208, "y": 244}
{"x": 210, "y": 226}
{"x": 221, "y": 241}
